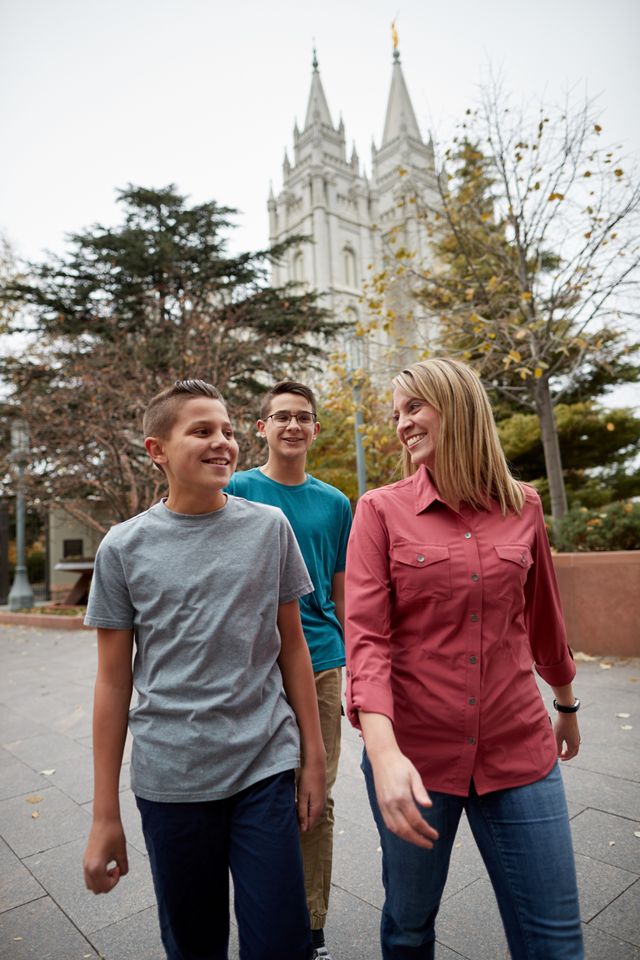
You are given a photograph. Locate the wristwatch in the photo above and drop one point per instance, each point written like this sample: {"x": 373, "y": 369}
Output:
{"x": 562, "y": 709}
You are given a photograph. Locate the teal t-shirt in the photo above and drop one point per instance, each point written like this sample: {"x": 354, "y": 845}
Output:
{"x": 321, "y": 519}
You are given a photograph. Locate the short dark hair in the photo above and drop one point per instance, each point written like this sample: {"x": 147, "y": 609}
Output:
{"x": 162, "y": 410}
{"x": 286, "y": 386}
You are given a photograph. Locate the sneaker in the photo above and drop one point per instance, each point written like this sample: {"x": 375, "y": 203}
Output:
{"x": 321, "y": 953}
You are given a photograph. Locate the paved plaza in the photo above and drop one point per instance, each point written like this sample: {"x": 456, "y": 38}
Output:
{"x": 46, "y": 679}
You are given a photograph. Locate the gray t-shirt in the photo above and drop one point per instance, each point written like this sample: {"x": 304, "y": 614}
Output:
{"x": 201, "y": 594}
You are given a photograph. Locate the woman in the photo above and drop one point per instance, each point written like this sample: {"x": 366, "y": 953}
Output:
{"x": 451, "y": 596}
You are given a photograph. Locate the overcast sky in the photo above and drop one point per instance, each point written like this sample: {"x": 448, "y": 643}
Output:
{"x": 95, "y": 94}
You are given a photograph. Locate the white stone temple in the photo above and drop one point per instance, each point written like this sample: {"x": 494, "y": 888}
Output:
{"x": 327, "y": 197}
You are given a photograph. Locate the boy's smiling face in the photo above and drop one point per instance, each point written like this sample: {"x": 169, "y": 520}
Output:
{"x": 290, "y": 440}
{"x": 200, "y": 453}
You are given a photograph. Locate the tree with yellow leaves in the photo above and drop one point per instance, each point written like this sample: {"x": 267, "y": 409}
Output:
{"x": 536, "y": 245}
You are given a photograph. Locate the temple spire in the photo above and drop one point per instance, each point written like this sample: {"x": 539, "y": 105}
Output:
{"x": 317, "y": 108}
{"x": 400, "y": 119}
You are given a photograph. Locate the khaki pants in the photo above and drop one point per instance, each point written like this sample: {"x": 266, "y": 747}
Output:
{"x": 317, "y": 844}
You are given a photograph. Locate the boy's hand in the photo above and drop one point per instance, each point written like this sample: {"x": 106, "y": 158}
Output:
{"x": 106, "y": 844}
{"x": 312, "y": 794}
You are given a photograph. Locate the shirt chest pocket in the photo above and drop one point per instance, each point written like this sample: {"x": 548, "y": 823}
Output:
{"x": 514, "y": 563}
{"x": 421, "y": 571}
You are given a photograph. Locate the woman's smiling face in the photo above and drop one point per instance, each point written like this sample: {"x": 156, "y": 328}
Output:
{"x": 417, "y": 426}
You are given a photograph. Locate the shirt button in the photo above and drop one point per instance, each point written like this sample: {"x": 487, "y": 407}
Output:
{"x": 475, "y": 577}
{"x": 420, "y": 558}
{"x": 472, "y": 701}
{"x": 473, "y": 659}
{"x": 467, "y": 536}
{"x": 471, "y": 740}
{"x": 474, "y": 618}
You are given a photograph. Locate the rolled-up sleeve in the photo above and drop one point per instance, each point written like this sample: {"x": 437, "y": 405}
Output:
{"x": 368, "y": 615}
{"x": 543, "y": 613}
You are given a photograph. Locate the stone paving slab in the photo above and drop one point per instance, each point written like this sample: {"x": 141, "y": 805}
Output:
{"x": 620, "y": 918}
{"x": 15, "y": 727}
{"x": 59, "y": 871}
{"x": 599, "y": 884}
{"x": 137, "y": 937}
{"x": 75, "y": 722}
{"x": 44, "y": 751}
{"x": 353, "y": 927}
{"x": 601, "y": 946}
{"x": 17, "y": 883}
{"x": 603, "y": 836}
{"x": 357, "y": 861}
{"x": 41, "y": 931}
{"x": 57, "y": 820}
{"x": 597, "y": 791}
{"x": 16, "y": 778}
{"x": 466, "y": 865}
{"x": 46, "y": 682}
{"x": 469, "y": 923}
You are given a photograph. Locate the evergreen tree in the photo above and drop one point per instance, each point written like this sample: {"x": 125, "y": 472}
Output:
{"x": 128, "y": 310}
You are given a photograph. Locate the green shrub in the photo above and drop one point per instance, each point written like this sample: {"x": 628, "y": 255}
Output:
{"x": 613, "y": 527}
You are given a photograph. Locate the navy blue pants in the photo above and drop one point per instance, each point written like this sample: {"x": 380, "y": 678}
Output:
{"x": 192, "y": 847}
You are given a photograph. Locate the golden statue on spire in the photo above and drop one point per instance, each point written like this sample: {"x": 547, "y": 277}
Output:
{"x": 394, "y": 35}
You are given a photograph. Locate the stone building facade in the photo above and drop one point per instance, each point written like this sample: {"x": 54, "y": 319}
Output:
{"x": 325, "y": 195}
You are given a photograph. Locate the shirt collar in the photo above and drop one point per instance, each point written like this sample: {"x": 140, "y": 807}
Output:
{"x": 424, "y": 489}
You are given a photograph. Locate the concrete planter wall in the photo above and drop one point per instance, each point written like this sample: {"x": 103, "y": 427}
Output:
{"x": 601, "y": 601}
{"x": 53, "y": 621}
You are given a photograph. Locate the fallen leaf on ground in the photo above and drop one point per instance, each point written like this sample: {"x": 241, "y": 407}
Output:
{"x": 636, "y": 833}
{"x": 18, "y": 938}
{"x": 633, "y": 679}
{"x": 626, "y": 726}
{"x": 612, "y": 843}
{"x": 379, "y": 849}
{"x": 35, "y": 815}
{"x": 48, "y": 773}
{"x": 606, "y": 666}
{"x": 578, "y": 655}
{"x": 623, "y": 716}
{"x": 34, "y": 798}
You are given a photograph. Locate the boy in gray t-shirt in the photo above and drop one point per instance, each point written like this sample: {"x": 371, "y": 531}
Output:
{"x": 207, "y": 586}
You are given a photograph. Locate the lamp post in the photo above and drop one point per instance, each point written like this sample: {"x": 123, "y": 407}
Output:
{"x": 21, "y": 594}
{"x": 354, "y": 364}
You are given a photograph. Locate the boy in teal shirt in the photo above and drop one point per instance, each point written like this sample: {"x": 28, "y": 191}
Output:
{"x": 321, "y": 519}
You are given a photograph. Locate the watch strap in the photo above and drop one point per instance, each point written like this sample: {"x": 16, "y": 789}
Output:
{"x": 561, "y": 708}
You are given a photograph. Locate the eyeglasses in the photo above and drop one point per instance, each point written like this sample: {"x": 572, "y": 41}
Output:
{"x": 283, "y": 418}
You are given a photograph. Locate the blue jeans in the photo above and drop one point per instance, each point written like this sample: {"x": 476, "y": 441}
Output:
{"x": 524, "y": 838}
{"x": 192, "y": 847}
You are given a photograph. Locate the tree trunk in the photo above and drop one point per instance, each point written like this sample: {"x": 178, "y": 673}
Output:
{"x": 551, "y": 447}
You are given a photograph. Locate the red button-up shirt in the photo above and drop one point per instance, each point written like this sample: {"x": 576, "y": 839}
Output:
{"x": 446, "y": 611}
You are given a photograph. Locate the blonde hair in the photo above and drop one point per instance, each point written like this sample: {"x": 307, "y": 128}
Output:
{"x": 470, "y": 464}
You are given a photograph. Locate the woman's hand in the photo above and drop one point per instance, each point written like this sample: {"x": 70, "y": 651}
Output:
{"x": 399, "y": 789}
{"x": 398, "y": 784}
{"x": 567, "y": 735}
